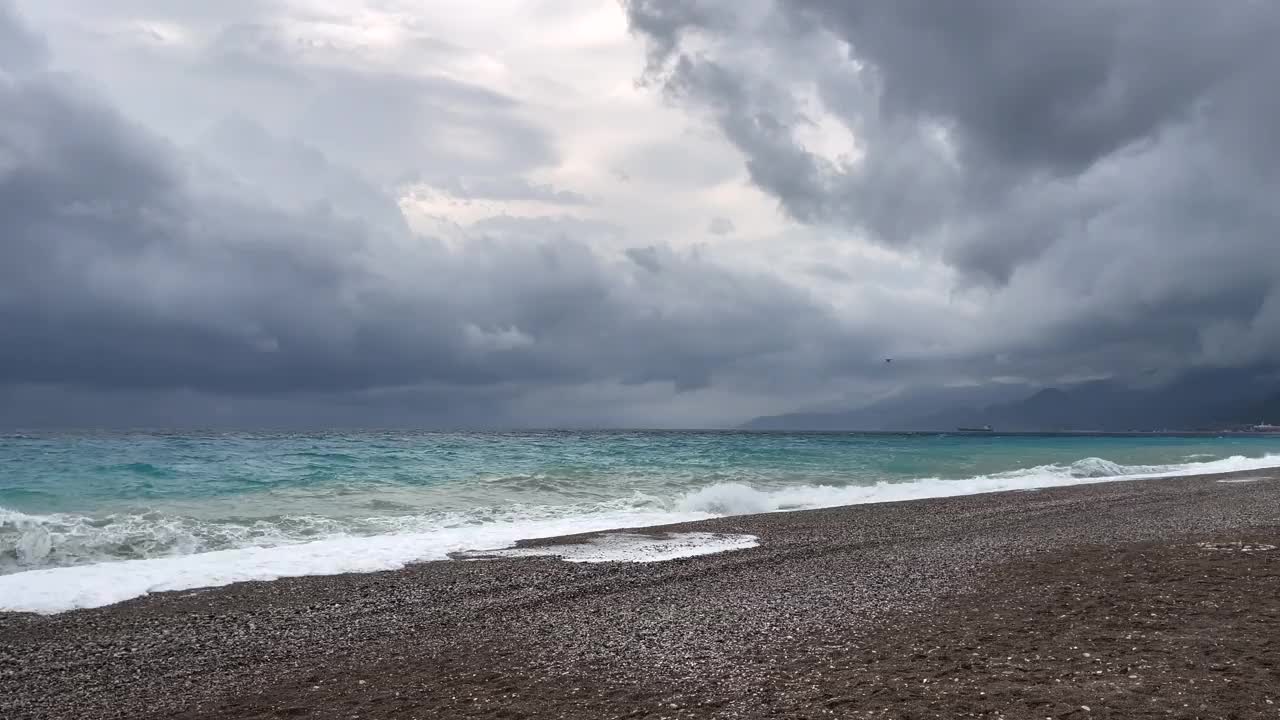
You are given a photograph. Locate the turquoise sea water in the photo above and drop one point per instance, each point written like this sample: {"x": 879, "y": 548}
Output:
{"x": 76, "y": 501}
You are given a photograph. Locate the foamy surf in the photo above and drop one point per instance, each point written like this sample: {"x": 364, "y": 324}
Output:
{"x": 57, "y": 590}
{"x": 53, "y": 590}
{"x": 625, "y": 547}
{"x": 741, "y": 499}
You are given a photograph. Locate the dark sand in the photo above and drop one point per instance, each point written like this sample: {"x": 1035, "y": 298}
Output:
{"x": 1084, "y": 602}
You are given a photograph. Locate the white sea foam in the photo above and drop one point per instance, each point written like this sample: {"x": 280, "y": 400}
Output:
{"x": 741, "y": 499}
{"x": 400, "y": 540}
{"x": 67, "y": 588}
{"x": 628, "y": 547}
{"x": 29, "y": 542}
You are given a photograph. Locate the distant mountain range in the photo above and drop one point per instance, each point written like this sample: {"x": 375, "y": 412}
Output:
{"x": 1199, "y": 400}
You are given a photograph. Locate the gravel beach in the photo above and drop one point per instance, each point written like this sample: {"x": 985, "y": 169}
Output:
{"x": 1149, "y": 598}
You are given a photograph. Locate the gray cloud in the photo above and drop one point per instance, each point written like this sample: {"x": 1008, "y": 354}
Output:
{"x": 18, "y": 48}
{"x": 1096, "y": 173}
{"x": 1092, "y": 182}
{"x": 391, "y": 125}
{"x": 295, "y": 174}
{"x": 720, "y": 226}
{"x": 507, "y": 188}
{"x": 254, "y": 266}
{"x": 403, "y": 120}
{"x": 249, "y": 70}
{"x": 1041, "y": 84}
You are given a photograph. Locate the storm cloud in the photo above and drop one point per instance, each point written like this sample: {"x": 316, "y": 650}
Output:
{"x": 1097, "y": 174}
{"x": 261, "y": 212}
{"x": 264, "y": 267}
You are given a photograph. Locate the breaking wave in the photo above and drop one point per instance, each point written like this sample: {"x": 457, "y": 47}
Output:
{"x": 742, "y": 499}
{"x": 57, "y": 562}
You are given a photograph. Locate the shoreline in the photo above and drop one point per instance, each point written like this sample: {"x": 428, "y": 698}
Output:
{"x": 713, "y": 635}
{"x": 728, "y": 521}
{"x": 73, "y": 587}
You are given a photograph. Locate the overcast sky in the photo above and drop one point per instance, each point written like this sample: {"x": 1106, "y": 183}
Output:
{"x": 647, "y": 213}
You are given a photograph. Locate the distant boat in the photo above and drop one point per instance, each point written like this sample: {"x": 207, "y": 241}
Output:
{"x": 984, "y": 428}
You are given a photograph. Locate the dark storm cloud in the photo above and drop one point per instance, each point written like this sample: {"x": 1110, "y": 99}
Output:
{"x": 1092, "y": 181}
{"x": 34, "y": 407}
{"x": 1099, "y": 169}
{"x": 131, "y": 264}
{"x": 1043, "y": 84}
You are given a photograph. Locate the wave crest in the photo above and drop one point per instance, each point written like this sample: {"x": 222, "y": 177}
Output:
{"x": 28, "y": 541}
{"x": 1095, "y": 467}
{"x": 742, "y": 499}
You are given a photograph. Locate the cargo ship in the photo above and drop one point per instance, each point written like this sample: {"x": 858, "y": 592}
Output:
{"x": 984, "y": 428}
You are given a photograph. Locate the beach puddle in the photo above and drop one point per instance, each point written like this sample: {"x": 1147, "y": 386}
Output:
{"x": 624, "y": 547}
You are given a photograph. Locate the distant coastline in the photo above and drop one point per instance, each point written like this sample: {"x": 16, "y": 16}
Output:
{"x": 1020, "y": 433}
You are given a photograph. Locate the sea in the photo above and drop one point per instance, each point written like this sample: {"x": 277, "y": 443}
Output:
{"x": 90, "y": 519}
